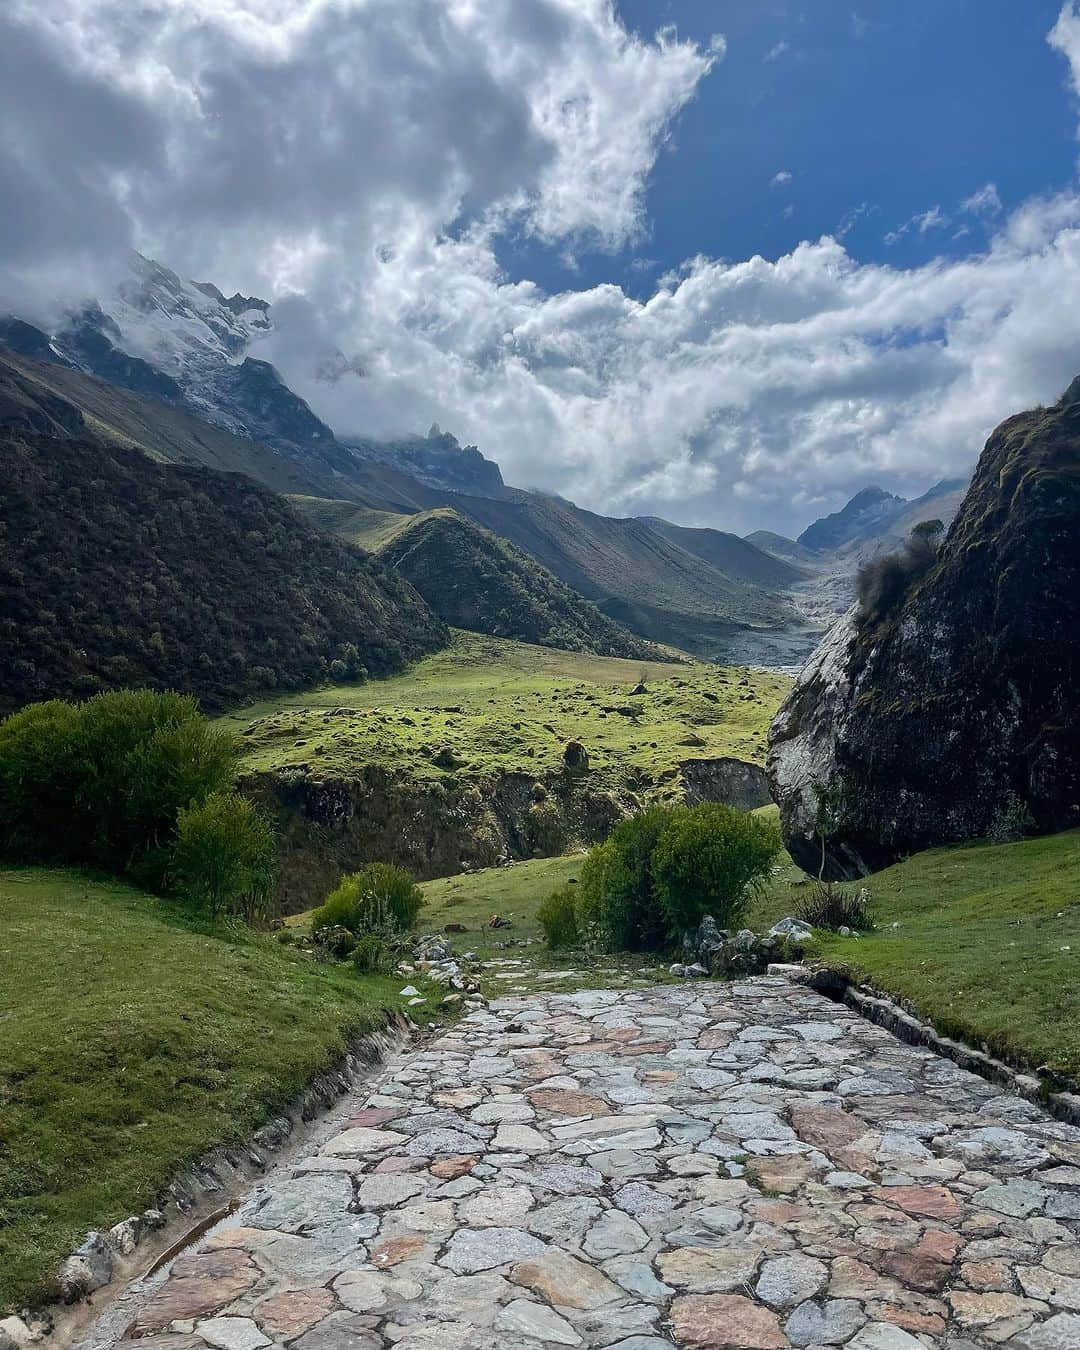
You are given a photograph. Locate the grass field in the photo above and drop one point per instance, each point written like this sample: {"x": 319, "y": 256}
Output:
{"x": 983, "y": 940}
{"x": 507, "y": 705}
{"x": 132, "y": 1041}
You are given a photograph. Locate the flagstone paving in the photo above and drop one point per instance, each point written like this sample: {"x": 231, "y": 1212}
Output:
{"x": 743, "y": 1165}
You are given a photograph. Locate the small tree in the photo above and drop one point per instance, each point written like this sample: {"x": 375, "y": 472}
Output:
{"x": 223, "y": 857}
{"x": 708, "y": 861}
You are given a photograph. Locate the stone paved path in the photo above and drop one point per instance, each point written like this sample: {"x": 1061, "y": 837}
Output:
{"x": 742, "y": 1165}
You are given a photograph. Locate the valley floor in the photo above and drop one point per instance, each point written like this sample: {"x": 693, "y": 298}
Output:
{"x": 133, "y": 1040}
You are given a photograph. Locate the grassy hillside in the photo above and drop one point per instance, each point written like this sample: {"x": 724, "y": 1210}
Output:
{"x": 473, "y": 580}
{"x": 983, "y": 939}
{"x": 118, "y": 571}
{"x": 692, "y": 589}
{"x": 675, "y": 595}
{"x": 133, "y": 1041}
{"x": 505, "y": 705}
{"x": 41, "y": 395}
{"x": 122, "y": 418}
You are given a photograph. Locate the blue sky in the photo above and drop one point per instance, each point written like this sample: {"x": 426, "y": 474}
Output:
{"x": 880, "y": 111}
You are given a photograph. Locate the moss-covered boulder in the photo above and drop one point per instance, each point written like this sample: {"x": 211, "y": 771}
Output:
{"x": 959, "y": 707}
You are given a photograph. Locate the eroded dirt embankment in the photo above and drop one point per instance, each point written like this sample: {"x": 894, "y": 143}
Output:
{"x": 327, "y": 826}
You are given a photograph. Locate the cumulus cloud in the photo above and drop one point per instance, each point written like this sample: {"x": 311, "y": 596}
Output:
{"x": 360, "y": 162}
{"x": 781, "y": 179}
{"x": 264, "y": 136}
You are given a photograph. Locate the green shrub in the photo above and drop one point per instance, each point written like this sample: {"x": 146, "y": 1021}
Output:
{"x": 617, "y": 902}
{"x": 546, "y": 828}
{"x": 380, "y": 898}
{"x": 708, "y": 861}
{"x": 558, "y": 918}
{"x": 39, "y": 778}
{"x": 1012, "y": 822}
{"x": 370, "y": 956}
{"x": 223, "y": 857}
{"x": 101, "y": 782}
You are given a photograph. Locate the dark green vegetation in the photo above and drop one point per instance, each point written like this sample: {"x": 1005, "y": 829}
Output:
{"x": 223, "y": 857}
{"x": 118, "y": 572}
{"x": 101, "y": 783}
{"x": 981, "y": 939}
{"x": 135, "y": 783}
{"x": 636, "y": 574}
{"x": 884, "y": 582}
{"x": 951, "y": 705}
{"x": 660, "y": 872}
{"x": 133, "y": 1039}
{"x": 377, "y": 899}
{"x": 473, "y": 580}
{"x": 631, "y": 572}
{"x": 693, "y": 589}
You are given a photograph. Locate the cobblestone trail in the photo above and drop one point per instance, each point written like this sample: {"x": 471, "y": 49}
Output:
{"x": 743, "y": 1165}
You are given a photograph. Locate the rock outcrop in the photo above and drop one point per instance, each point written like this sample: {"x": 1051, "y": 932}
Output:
{"x": 934, "y": 722}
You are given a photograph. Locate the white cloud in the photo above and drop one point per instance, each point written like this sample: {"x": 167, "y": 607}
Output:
{"x": 362, "y": 161}
{"x": 781, "y": 179}
{"x": 1065, "y": 37}
{"x": 923, "y": 222}
{"x": 739, "y": 394}
{"x": 985, "y": 202}
{"x": 775, "y": 53}
{"x": 263, "y": 136}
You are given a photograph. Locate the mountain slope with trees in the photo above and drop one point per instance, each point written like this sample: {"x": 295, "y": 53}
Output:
{"x": 117, "y": 571}
{"x": 474, "y": 580}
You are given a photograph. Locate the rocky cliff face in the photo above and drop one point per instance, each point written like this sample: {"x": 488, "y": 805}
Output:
{"x": 927, "y": 725}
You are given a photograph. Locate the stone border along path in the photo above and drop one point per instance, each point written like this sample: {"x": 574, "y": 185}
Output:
{"x": 742, "y": 1165}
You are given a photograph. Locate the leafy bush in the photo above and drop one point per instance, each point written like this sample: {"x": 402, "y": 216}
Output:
{"x": 558, "y": 918}
{"x": 371, "y": 955}
{"x": 223, "y": 858}
{"x": 617, "y": 901}
{"x": 380, "y": 898}
{"x": 708, "y": 861}
{"x": 101, "y": 782}
{"x": 827, "y": 905}
{"x": 882, "y": 583}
